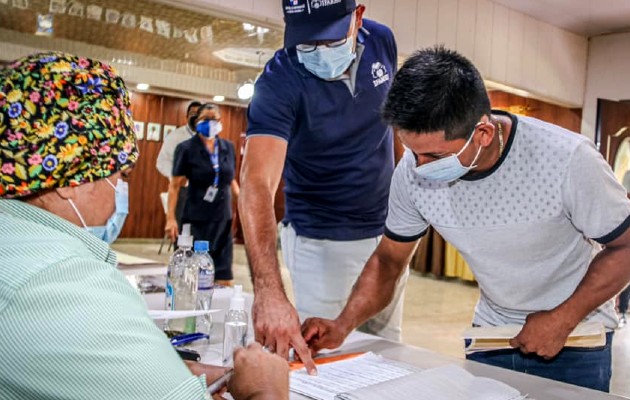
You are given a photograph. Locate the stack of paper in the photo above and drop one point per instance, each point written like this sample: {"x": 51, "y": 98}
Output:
{"x": 342, "y": 376}
{"x": 371, "y": 377}
{"x": 126, "y": 260}
{"x": 449, "y": 382}
{"x": 588, "y": 334}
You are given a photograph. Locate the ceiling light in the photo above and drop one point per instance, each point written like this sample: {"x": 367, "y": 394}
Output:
{"x": 246, "y": 91}
{"x": 143, "y": 86}
{"x": 218, "y": 99}
{"x": 255, "y": 57}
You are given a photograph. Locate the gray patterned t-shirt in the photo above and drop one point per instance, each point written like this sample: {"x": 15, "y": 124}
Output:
{"x": 528, "y": 227}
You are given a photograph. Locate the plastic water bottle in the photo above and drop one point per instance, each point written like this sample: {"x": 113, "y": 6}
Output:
{"x": 202, "y": 262}
{"x": 174, "y": 275}
{"x": 186, "y": 295}
{"x": 235, "y": 327}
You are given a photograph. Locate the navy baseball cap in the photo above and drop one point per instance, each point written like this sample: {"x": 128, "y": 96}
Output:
{"x": 314, "y": 20}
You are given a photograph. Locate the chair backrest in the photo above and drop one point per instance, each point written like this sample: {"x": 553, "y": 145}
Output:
{"x": 164, "y": 199}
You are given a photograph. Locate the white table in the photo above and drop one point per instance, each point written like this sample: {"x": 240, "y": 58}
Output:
{"x": 537, "y": 388}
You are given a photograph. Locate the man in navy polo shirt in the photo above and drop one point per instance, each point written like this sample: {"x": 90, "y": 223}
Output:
{"x": 316, "y": 115}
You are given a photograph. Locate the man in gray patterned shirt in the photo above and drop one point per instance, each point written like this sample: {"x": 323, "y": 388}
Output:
{"x": 528, "y": 204}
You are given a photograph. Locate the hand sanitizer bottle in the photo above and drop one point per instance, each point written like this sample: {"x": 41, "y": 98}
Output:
{"x": 235, "y": 328}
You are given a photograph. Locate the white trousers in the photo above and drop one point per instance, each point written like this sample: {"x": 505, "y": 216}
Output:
{"x": 323, "y": 273}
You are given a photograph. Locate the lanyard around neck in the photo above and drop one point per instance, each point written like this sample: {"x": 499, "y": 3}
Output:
{"x": 214, "y": 159}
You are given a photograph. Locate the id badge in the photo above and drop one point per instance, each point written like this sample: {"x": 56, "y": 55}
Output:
{"x": 211, "y": 193}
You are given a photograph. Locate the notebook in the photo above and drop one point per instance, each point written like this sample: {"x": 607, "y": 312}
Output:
{"x": 586, "y": 334}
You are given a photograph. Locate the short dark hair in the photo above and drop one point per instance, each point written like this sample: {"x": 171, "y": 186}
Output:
{"x": 437, "y": 89}
{"x": 208, "y": 106}
{"x": 191, "y": 105}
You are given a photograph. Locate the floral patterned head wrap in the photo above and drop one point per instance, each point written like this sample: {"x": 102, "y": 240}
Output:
{"x": 64, "y": 121}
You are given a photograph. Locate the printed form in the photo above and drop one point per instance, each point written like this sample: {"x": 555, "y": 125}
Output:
{"x": 348, "y": 375}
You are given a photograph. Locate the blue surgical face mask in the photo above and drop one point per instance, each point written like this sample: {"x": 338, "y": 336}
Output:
{"x": 328, "y": 62}
{"x": 110, "y": 231}
{"x": 449, "y": 168}
{"x": 209, "y": 128}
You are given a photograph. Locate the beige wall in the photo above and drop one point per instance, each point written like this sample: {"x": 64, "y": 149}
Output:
{"x": 608, "y": 75}
{"x": 507, "y": 46}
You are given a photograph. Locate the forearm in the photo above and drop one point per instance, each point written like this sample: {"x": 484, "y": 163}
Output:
{"x": 260, "y": 234}
{"x": 608, "y": 274}
{"x": 236, "y": 190}
{"x": 372, "y": 292}
{"x": 173, "y": 195}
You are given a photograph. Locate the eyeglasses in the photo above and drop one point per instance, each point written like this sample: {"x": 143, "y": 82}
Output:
{"x": 308, "y": 48}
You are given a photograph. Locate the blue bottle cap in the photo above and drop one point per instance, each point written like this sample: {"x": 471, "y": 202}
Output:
{"x": 202, "y": 245}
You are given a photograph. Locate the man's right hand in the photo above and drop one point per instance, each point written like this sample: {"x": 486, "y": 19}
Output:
{"x": 277, "y": 327}
{"x": 322, "y": 333}
{"x": 171, "y": 229}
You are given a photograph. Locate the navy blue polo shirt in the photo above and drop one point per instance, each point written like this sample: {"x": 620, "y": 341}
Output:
{"x": 340, "y": 153}
{"x": 192, "y": 160}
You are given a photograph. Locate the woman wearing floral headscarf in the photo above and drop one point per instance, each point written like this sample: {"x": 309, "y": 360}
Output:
{"x": 70, "y": 323}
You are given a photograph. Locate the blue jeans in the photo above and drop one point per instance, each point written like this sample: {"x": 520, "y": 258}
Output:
{"x": 587, "y": 367}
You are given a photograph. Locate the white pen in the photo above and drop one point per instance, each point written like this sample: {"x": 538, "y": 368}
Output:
{"x": 215, "y": 386}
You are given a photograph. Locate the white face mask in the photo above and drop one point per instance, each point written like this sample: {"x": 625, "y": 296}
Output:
{"x": 449, "y": 168}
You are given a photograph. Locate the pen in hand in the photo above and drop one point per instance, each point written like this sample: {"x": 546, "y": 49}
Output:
{"x": 219, "y": 383}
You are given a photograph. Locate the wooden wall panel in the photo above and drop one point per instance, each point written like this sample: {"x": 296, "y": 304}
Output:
{"x": 426, "y": 20}
{"x": 516, "y": 37}
{"x": 146, "y": 215}
{"x": 499, "y": 55}
{"x": 466, "y": 25}
{"x": 483, "y": 37}
{"x": 530, "y": 53}
{"x": 382, "y": 11}
{"x": 447, "y": 23}
{"x": 405, "y": 25}
{"x": 569, "y": 118}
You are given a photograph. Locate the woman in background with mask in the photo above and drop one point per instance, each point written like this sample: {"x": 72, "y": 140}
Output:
{"x": 208, "y": 163}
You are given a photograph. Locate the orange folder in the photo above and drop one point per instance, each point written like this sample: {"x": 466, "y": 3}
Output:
{"x": 295, "y": 365}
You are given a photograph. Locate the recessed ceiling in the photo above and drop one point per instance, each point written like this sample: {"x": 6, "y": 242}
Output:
{"x": 147, "y": 28}
{"x": 584, "y": 17}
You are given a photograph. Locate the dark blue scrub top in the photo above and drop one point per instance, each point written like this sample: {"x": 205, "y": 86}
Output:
{"x": 340, "y": 153}
{"x": 192, "y": 160}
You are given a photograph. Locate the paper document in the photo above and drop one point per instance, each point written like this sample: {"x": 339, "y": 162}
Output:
{"x": 129, "y": 260}
{"x": 162, "y": 314}
{"x": 343, "y": 376}
{"x": 449, "y": 382}
{"x": 587, "y": 334}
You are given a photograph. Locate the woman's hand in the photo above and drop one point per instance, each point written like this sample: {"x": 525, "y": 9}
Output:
{"x": 171, "y": 229}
